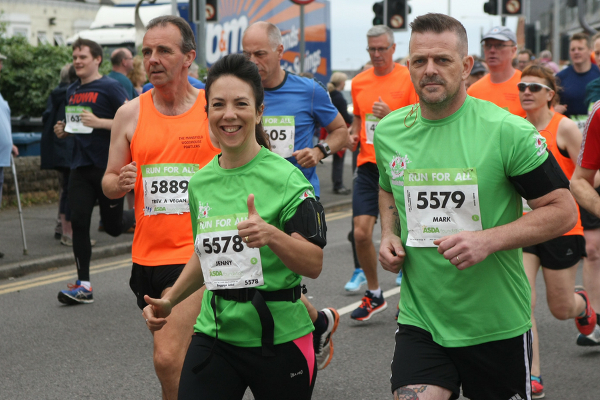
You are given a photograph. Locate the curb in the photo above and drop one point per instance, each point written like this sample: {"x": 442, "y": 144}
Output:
{"x": 60, "y": 260}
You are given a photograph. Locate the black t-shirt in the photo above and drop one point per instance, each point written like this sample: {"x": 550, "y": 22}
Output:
{"x": 104, "y": 96}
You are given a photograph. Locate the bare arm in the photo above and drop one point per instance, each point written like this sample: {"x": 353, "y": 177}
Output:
{"x": 553, "y": 215}
{"x": 337, "y": 139}
{"x": 190, "y": 280}
{"x": 297, "y": 253}
{"x": 121, "y": 172}
{"x": 569, "y": 137}
{"x": 391, "y": 252}
{"x": 355, "y": 131}
{"x": 89, "y": 119}
{"x": 583, "y": 190}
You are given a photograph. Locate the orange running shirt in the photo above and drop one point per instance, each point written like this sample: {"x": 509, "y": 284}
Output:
{"x": 395, "y": 89}
{"x": 504, "y": 95}
{"x": 166, "y": 149}
{"x": 566, "y": 164}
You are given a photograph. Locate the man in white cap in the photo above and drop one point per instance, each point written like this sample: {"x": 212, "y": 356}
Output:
{"x": 6, "y": 144}
{"x": 500, "y": 85}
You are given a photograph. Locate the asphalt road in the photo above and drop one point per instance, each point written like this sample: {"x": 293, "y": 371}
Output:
{"x": 104, "y": 351}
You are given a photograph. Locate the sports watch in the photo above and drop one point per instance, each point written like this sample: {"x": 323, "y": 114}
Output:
{"x": 324, "y": 147}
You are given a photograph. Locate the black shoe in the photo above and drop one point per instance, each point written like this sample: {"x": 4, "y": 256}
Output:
{"x": 342, "y": 190}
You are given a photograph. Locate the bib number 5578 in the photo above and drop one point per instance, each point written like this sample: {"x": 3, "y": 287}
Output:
{"x": 215, "y": 245}
{"x": 439, "y": 199}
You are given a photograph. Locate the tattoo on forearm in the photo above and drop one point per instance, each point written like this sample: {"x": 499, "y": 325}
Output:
{"x": 406, "y": 393}
{"x": 396, "y": 219}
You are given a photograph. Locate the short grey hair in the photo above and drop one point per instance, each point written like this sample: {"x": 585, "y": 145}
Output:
{"x": 64, "y": 73}
{"x": 194, "y": 67}
{"x": 379, "y": 30}
{"x": 272, "y": 31}
{"x": 188, "y": 43}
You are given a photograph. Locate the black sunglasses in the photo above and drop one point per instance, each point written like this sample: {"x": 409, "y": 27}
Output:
{"x": 533, "y": 87}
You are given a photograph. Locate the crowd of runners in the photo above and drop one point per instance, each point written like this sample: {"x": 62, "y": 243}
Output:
{"x": 468, "y": 177}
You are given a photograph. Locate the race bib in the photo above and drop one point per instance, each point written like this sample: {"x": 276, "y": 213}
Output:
{"x": 440, "y": 202}
{"x": 371, "y": 122}
{"x": 526, "y": 207}
{"x": 580, "y": 120}
{"x": 165, "y": 188}
{"x": 227, "y": 263}
{"x": 73, "y": 123}
{"x": 281, "y": 132}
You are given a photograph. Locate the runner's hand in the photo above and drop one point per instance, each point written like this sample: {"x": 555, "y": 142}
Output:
{"x": 470, "y": 248}
{"x": 156, "y": 312}
{"x": 381, "y": 109}
{"x": 308, "y": 158}
{"x": 59, "y": 130}
{"x": 391, "y": 253}
{"x": 90, "y": 120}
{"x": 254, "y": 228}
{"x": 127, "y": 177}
{"x": 352, "y": 142}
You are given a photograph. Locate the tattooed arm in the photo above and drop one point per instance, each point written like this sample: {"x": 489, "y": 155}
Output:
{"x": 391, "y": 252}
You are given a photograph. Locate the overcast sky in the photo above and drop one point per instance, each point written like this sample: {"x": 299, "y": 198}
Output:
{"x": 351, "y": 19}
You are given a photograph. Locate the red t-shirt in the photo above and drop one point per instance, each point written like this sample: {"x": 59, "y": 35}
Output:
{"x": 589, "y": 155}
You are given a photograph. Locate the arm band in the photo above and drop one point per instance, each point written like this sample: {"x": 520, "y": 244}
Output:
{"x": 309, "y": 222}
{"x": 541, "y": 181}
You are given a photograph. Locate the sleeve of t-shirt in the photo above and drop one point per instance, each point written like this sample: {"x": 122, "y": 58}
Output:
{"x": 297, "y": 189}
{"x": 589, "y": 154}
{"x": 523, "y": 149}
{"x": 193, "y": 209}
{"x": 118, "y": 97}
{"x": 323, "y": 109}
{"x": 384, "y": 178}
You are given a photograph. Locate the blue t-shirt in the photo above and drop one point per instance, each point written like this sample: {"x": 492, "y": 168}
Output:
{"x": 5, "y": 134}
{"x": 104, "y": 96}
{"x": 193, "y": 81}
{"x": 310, "y": 105}
{"x": 573, "y": 89}
{"x": 125, "y": 82}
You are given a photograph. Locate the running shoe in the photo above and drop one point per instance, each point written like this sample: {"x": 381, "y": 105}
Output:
{"x": 323, "y": 343}
{"x": 399, "y": 279}
{"x": 370, "y": 305}
{"x": 585, "y": 324}
{"x": 76, "y": 294}
{"x": 537, "y": 388}
{"x": 357, "y": 281}
{"x": 590, "y": 340}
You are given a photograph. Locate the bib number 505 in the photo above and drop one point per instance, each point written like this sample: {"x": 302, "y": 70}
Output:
{"x": 433, "y": 201}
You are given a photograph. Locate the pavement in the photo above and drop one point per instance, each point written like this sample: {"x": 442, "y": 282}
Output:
{"x": 44, "y": 252}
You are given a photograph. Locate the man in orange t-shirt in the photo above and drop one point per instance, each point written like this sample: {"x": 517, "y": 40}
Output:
{"x": 158, "y": 141}
{"x": 500, "y": 85}
{"x": 375, "y": 93}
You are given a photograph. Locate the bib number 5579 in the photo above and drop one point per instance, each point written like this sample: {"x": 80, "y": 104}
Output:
{"x": 439, "y": 199}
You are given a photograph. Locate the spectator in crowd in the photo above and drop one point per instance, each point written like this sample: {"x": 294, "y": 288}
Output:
{"x": 6, "y": 144}
{"x": 500, "y": 85}
{"x": 55, "y": 152}
{"x": 334, "y": 87}
{"x": 122, "y": 64}
{"x": 575, "y": 78}
{"x": 193, "y": 71}
{"x": 545, "y": 59}
{"x": 137, "y": 75}
{"x": 524, "y": 59}
{"x": 478, "y": 72}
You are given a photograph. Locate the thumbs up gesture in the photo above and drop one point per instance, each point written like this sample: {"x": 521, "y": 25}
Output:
{"x": 380, "y": 108}
{"x": 255, "y": 232}
{"x": 156, "y": 312}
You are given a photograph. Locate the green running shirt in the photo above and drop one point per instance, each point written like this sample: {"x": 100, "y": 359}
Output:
{"x": 464, "y": 159}
{"x": 279, "y": 188}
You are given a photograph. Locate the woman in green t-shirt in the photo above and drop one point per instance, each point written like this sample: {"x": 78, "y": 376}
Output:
{"x": 258, "y": 229}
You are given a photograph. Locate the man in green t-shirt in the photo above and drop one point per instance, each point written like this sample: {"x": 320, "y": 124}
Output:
{"x": 452, "y": 174}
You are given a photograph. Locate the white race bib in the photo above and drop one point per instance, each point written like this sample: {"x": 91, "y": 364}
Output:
{"x": 371, "y": 122}
{"x": 282, "y": 132}
{"x": 580, "y": 120}
{"x": 227, "y": 263}
{"x": 74, "y": 124}
{"x": 165, "y": 188}
{"x": 440, "y": 202}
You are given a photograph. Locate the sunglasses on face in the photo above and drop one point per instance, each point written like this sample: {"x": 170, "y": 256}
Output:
{"x": 533, "y": 87}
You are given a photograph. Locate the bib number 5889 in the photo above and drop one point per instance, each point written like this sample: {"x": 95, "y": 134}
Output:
{"x": 166, "y": 186}
{"x": 437, "y": 200}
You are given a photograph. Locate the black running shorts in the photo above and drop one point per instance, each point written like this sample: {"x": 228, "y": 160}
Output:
{"x": 152, "y": 280}
{"x": 559, "y": 253}
{"x": 232, "y": 369}
{"x": 498, "y": 370}
{"x": 365, "y": 194}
